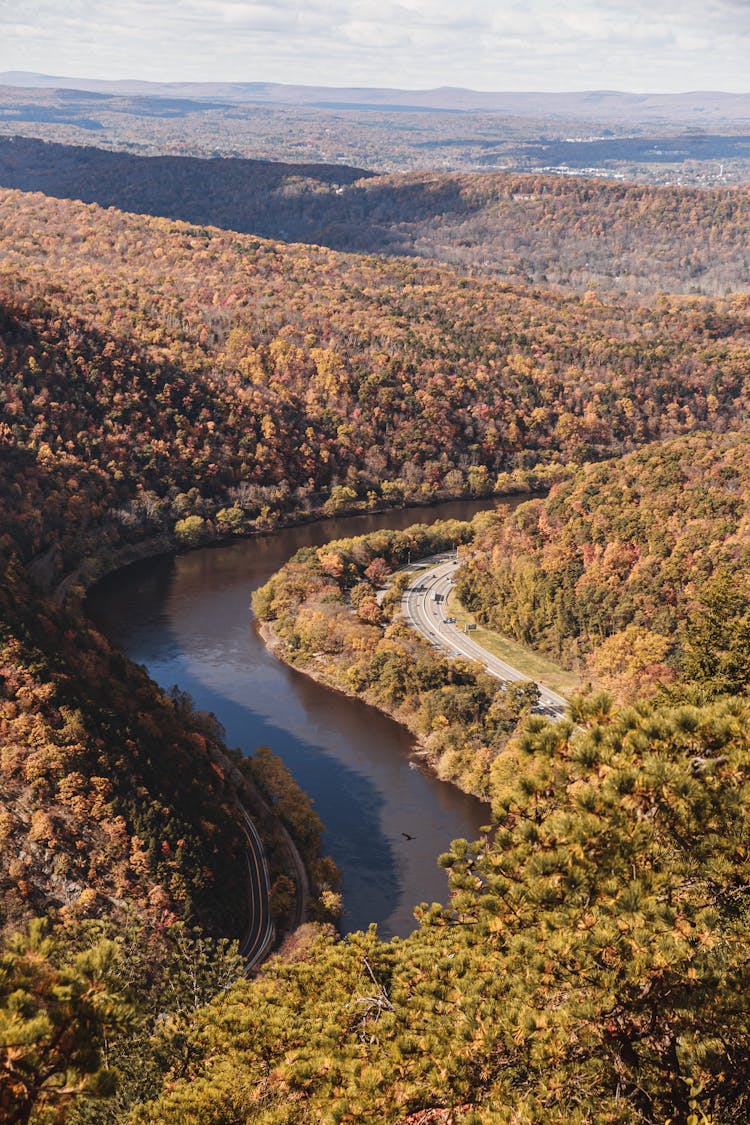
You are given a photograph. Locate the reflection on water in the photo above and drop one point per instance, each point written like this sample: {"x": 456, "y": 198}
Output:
{"x": 188, "y": 619}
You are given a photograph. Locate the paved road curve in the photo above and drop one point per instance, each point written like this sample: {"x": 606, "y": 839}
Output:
{"x": 425, "y": 609}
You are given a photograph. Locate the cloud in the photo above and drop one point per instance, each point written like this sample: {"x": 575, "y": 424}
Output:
{"x": 488, "y": 44}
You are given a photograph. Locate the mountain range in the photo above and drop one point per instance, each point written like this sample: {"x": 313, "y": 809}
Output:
{"x": 694, "y": 107}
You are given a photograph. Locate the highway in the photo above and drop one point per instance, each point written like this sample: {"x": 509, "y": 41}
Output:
{"x": 424, "y": 606}
{"x": 261, "y": 932}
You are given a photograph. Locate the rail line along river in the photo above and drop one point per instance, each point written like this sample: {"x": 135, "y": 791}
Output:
{"x": 188, "y": 619}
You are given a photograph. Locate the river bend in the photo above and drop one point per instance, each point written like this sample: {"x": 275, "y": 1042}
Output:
{"x": 187, "y": 618}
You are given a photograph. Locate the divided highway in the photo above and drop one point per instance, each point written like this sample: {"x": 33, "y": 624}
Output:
{"x": 424, "y": 605}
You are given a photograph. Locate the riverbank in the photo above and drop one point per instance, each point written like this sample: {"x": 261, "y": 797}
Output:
{"x": 96, "y": 564}
{"x": 274, "y": 644}
{"x": 185, "y": 617}
{"x": 251, "y": 803}
{"x": 322, "y": 614}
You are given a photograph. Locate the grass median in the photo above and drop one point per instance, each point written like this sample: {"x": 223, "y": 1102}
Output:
{"x": 528, "y": 663}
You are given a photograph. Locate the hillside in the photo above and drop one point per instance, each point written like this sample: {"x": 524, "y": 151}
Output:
{"x": 111, "y": 804}
{"x": 157, "y": 373}
{"x": 612, "y": 104}
{"x": 552, "y": 987}
{"x": 635, "y": 570}
{"x": 117, "y": 801}
{"x": 165, "y": 384}
{"x": 575, "y": 233}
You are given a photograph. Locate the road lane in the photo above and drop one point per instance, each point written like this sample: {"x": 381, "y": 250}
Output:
{"x": 425, "y": 606}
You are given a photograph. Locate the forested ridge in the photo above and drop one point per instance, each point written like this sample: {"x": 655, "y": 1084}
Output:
{"x": 140, "y": 352}
{"x": 550, "y": 988}
{"x": 636, "y": 569}
{"x": 577, "y": 233}
{"x": 164, "y": 385}
{"x": 334, "y": 612}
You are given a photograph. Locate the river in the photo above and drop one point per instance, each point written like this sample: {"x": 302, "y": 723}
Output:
{"x": 187, "y": 618}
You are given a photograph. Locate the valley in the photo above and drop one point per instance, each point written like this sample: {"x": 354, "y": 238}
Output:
{"x": 290, "y": 380}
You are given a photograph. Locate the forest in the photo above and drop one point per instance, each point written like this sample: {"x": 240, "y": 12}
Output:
{"x": 164, "y": 378}
{"x": 636, "y": 570}
{"x": 643, "y": 139}
{"x": 166, "y": 384}
{"x": 557, "y": 231}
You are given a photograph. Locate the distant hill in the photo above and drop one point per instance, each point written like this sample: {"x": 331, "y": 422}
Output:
{"x": 543, "y": 229}
{"x": 151, "y": 184}
{"x": 695, "y": 107}
{"x": 692, "y": 139}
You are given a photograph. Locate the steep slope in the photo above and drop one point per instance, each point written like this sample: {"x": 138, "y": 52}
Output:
{"x": 589, "y": 968}
{"x": 111, "y": 802}
{"x": 572, "y": 232}
{"x": 161, "y": 380}
{"x": 264, "y": 376}
{"x": 637, "y": 567}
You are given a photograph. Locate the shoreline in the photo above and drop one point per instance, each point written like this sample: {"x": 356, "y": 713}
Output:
{"x": 91, "y": 568}
{"x": 74, "y": 585}
{"x": 421, "y": 755}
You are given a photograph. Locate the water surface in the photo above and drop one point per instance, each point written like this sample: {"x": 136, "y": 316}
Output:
{"x": 188, "y": 619}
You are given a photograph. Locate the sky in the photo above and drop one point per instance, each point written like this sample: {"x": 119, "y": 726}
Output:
{"x": 637, "y": 45}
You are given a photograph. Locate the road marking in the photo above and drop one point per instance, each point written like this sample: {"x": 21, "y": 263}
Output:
{"x": 424, "y": 613}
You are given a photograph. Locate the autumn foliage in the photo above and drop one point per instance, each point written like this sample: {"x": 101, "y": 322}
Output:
{"x": 636, "y": 569}
{"x": 335, "y": 613}
{"x": 563, "y": 231}
{"x": 165, "y": 384}
{"x": 157, "y": 374}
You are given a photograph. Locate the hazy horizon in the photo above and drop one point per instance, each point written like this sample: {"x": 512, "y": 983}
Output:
{"x": 631, "y": 46}
{"x": 20, "y": 77}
